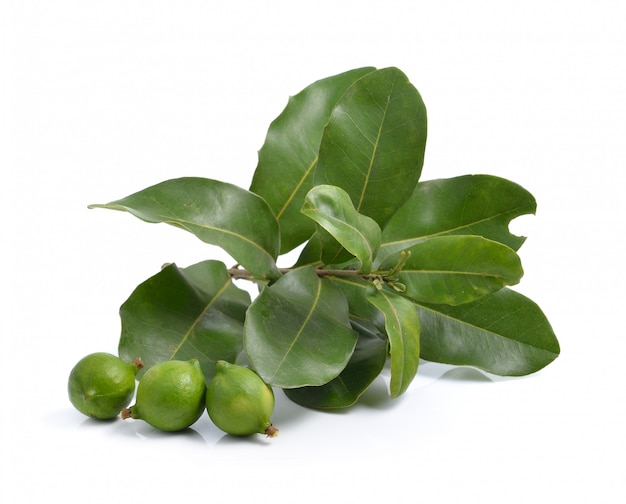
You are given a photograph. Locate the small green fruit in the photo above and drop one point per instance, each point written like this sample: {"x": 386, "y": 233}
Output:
{"x": 170, "y": 395}
{"x": 101, "y": 384}
{"x": 239, "y": 402}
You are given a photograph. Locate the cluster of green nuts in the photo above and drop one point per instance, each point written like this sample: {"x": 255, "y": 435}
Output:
{"x": 172, "y": 395}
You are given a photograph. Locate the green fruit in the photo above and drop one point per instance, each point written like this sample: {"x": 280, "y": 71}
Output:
{"x": 170, "y": 395}
{"x": 239, "y": 402}
{"x": 101, "y": 384}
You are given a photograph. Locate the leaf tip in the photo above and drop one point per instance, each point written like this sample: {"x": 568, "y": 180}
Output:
{"x": 105, "y": 205}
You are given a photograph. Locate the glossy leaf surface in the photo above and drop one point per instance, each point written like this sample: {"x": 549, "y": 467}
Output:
{"x": 195, "y": 312}
{"x": 311, "y": 253}
{"x": 298, "y": 332}
{"x": 289, "y": 155}
{"x": 481, "y": 205}
{"x": 504, "y": 333}
{"x": 373, "y": 145}
{"x": 331, "y": 208}
{"x": 216, "y": 212}
{"x": 324, "y": 251}
{"x": 366, "y": 363}
{"x": 458, "y": 269}
{"x": 355, "y": 291}
{"x": 402, "y": 325}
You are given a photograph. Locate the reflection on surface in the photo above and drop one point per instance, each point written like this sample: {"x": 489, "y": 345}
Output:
{"x": 436, "y": 371}
{"x": 88, "y": 422}
{"x": 186, "y": 434}
{"x": 255, "y": 439}
{"x": 465, "y": 374}
{"x": 377, "y": 396}
{"x": 143, "y": 430}
{"x": 430, "y": 371}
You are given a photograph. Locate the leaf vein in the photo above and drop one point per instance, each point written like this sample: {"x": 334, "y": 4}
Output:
{"x": 296, "y": 188}
{"x": 413, "y": 240}
{"x": 373, "y": 155}
{"x": 301, "y": 329}
{"x": 199, "y": 318}
{"x": 190, "y": 224}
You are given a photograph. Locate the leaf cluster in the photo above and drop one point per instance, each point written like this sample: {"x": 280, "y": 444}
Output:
{"x": 391, "y": 269}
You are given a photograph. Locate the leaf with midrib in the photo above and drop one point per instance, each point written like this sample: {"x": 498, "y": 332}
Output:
{"x": 482, "y": 205}
{"x": 298, "y": 332}
{"x": 402, "y": 326}
{"x": 288, "y": 157}
{"x": 373, "y": 145}
{"x": 458, "y": 269}
{"x": 222, "y": 214}
{"x": 185, "y": 313}
{"x": 504, "y": 333}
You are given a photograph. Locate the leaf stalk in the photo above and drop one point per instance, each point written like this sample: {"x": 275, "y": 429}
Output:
{"x": 238, "y": 273}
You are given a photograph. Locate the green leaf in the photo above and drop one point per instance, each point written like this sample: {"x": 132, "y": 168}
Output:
{"x": 218, "y": 213}
{"x": 504, "y": 333}
{"x": 324, "y": 251}
{"x": 195, "y": 312}
{"x": 373, "y": 145}
{"x": 403, "y": 330}
{"x": 355, "y": 291}
{"x": 297, "y": 331}
{"x": 331, "y": 208}
{"x": 288, "y": 158}
{"x": 366, "y": 363}
{"x": 481, "y": 205}
{"x": 458, "y": 269}
{"x": 311, "y": 253}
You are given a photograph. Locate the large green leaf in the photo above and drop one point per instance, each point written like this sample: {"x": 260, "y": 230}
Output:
{"x": 218, "y": 213}
{"x": 331, "y": 208}
{"x": 288, "y": 157}
{"x": 481, "y": 205}
{"x": 297, "y": 331}
{"x": 504, "y": 333}
{"x": 195, "y": 312}
{"x": 402, "y": 325}
{"x": 458, "y": 269}
{"x": 366, "y": 363}
{"x": 373, "y": 145}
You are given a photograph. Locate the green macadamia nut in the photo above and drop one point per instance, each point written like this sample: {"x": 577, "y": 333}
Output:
{"x": 239, "y": 402}
{"x": 101, "y": 384}
{"x": 170, "y": 395}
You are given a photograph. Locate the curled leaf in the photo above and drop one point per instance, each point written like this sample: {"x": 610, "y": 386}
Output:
{"x": 331, "y": 208}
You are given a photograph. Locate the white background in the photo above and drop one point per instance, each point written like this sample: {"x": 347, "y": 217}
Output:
{"x": 103, "y": 98}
